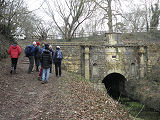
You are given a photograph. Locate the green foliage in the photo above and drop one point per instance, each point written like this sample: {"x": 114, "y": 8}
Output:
{"x": 4, "y": 46}
{"x": 6, "y": 27}
{"x": 6, "y": 31}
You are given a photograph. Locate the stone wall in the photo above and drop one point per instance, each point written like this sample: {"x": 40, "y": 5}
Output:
{"x": 103, "y": 59}
{"x": 71, "y": 56}
{"x": 97, "y": 63}
{"x": 125, "y": 60}
{"x": 153, "y": 56}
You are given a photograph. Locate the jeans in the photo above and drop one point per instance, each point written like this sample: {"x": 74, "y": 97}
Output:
{"x": 31, "y": 63}
{"x": 45, "y": 74}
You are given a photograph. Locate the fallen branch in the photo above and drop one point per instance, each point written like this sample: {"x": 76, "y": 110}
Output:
{"x": 139, "y": 112}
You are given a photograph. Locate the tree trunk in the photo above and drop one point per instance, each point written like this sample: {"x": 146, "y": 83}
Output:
{"x": 109, "y": 12}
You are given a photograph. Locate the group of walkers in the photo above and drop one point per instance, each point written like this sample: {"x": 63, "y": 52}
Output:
{"x": 42, "y": 57}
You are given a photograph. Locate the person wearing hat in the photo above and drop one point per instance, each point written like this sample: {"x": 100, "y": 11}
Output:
{"x": 57, "y": 61}
{"x": 14, "y": 52}
{"x": 37, "y": 56}
{"x": 46, "y": 62}
{"x": 31, "y": 57}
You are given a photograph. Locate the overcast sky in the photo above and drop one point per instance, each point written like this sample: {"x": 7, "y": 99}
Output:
{"x": 38, "y": 7}
{"x": 35, "y": 4}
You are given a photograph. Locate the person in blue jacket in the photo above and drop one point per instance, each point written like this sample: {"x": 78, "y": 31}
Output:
{"x": 58, "y": 56}
{"x": 31, "y": 57}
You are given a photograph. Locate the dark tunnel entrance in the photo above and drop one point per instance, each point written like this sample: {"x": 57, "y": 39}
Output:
{"x": 115, "y": 85}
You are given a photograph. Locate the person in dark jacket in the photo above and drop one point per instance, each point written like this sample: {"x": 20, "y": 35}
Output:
{"x": 46, "y": 62}
{"x": 37, "y": 56}
{"x": 14, "y": 52}
{"x": 31, "y": 57}
{"x": 40, "y": 72}
{"x": 52, "y": 53}
{"x": 57, "y": 61}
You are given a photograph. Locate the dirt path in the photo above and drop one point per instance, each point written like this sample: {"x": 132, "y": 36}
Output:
{"x": 23, "y": 97}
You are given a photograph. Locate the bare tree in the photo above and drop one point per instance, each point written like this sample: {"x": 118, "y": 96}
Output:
{"x": 2, "y": 9}
{"x": 2, "y": 14}
{"x": 11, "y": 11}
{"x": 16, "y": 19}
{"x": 155, "y": 16}
{"x": 31, "y": 25}
{"x": 106, "y": 5}
{"x": 42, "y": 29}
{"x": 135, "y": 20}
{"x": 143, "y": 17}
{"x": 28, "y": 25}
{"x": 112, "y": 12}
{"x": 72, "y": 15}
{"x": 151, "y": 13}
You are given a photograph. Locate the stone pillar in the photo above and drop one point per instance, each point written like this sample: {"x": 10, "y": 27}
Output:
{"x": 142, "y": 62}
{"x": 86, "y": 51}
{"x": 149, "y": 66}
{"x": 112, "y": 39}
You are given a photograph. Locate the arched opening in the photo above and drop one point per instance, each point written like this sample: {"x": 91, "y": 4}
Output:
{"x": 133, "y": 69}
{"x": 95, "y": 69}
{"x": 115, "y": 85}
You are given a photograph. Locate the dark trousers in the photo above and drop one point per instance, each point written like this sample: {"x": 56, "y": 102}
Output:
{"x": 36, "y": 63}
{"x": 51, "y": 69}
{"x": 31, "y": 63}
{"x": 58, "y": 68}
{"x": 14, "y": 63}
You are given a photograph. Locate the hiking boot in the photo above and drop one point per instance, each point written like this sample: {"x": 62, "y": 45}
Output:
{"x": 39, "y": 78}
{"x": 30, "y": 72}
{"x": 11, "y": 72}
{"x": 43, "y": 82}
{"x": 37, "y": 70}
{"x": 14, "y": 72}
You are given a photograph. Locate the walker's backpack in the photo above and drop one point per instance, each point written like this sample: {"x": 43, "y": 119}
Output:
{"x": 28, "y": 50}
{"x": 59, "y": 54}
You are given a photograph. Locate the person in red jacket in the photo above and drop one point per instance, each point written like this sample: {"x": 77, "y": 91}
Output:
{"x": 14, "y": 52}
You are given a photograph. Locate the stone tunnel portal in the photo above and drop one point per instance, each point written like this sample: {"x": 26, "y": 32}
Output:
{"x": 115, "y": 85}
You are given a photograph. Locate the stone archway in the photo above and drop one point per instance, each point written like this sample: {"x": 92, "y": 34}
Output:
{"x": 115, "y": 84}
